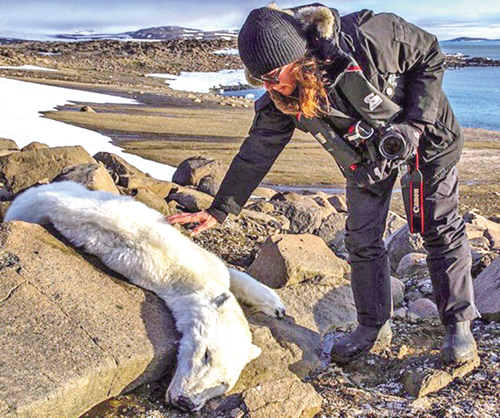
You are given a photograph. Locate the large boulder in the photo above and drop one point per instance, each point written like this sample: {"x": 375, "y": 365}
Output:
{"x": 311, "y": 281}
{"x": 7, "y": 146}
{"x": 190, "y": 199}
{"x": 119, "y": 169}
{"x": 487, "y": 291}
{"x": 92, "y": 176}
{"x": 305, "y": 215}
{"x": 160, "y": 188}
{"x": 21, "y": 170}
{"x": 72, "y": 336}
{"x": 192, "y": 171}
{"x": 290, "y": 259}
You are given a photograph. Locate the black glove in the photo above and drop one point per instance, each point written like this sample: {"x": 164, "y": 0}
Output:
{"x": 400, "y": 140}
{"x": 367, "y": 174}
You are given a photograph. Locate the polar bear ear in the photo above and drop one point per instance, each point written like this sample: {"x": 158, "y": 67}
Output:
{"x": 219, "y": 300}
{"x": 254, "y": 352}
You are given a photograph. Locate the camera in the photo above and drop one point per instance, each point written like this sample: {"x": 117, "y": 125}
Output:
{"x": 391, "y": 144}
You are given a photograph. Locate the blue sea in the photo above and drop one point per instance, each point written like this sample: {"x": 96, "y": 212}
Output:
{"x": 474, "y": 93}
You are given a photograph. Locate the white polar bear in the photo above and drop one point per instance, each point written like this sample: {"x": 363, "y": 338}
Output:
{"x": 138, "y": 243}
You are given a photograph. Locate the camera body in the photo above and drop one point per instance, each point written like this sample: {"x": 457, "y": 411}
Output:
{"x": 388, "y": 141}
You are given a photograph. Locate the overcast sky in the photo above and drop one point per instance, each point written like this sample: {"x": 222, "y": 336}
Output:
{"x": 445, "y": 18}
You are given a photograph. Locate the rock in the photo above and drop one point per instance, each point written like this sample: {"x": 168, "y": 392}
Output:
{"x": 92, "y": 176}
{"x": 393, "y": 223}
{"x": 192, "y": 200}
{"x": 160, "y": 188}
{"x": 153, "y": 201}
{"x": 413, "y": 296}
{"x": 338, "y": 202}
{"x": 34, "y": 146}
{"x": 487, "y": 291}
{"x": 72, "y": 336}
{"x": 191, "y": 171}
{"x": 321, "y": 199}
{"x": 474, "y": 231}
{"x": 209, "y": 185}
{"x": 288, "y": 259}
{"x": 481, "y": 259}
{"x": 320, "y": 306}
{"x": 279, "y": 223}
{"x": 4, "y": 206}
{"x": 25, "y": 169}
{"x": 305, "y": 217}
{"x": 332, "y": 231}
{"x": 264, "y": 192}
{"x": 411, "y": 265}
{"x": 87, "y": 109}
{"x": 8, "y": 145}
{"x": 285, "y": 398}
{"x": 398, "y": 291}
{"x": 402, "y": 243}
{"x": 293, "y": 353}
{"x": 422, "y": 309}
{"x": 262, "y": 206}
{"x": 421, "y": 383}
{"x": 491, "y": 229}
{"x": 119, "y": 169}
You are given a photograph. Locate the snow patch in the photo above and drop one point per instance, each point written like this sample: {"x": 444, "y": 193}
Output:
{"x": 20, "y": 120}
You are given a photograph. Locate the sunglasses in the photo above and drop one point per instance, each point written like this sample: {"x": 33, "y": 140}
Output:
{"x": 272, "y": 77}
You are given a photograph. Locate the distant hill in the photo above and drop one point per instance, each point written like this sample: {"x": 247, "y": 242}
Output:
{"x": 467, "y": 39}
{"x": 155, "y": 33}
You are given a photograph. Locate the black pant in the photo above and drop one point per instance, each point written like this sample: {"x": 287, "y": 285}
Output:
{"x": 449, "y": 258}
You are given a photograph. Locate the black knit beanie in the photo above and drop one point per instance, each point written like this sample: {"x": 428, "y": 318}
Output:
{"x": 269, "y": 39}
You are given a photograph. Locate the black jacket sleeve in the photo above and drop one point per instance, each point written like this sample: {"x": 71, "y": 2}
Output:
{"x": 270, "y": 132}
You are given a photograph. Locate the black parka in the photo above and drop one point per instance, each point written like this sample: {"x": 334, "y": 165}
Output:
{"x": 400, "y": 59}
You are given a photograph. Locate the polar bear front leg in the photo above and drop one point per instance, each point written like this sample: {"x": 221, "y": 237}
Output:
{"x": 255, "y": 294}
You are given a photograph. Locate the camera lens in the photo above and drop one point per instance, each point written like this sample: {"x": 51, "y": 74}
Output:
{"x": 393, "y": 146}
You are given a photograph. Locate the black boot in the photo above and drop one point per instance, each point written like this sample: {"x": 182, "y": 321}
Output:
{"x": 360, "y": 341}
{"x": 459, "y": 345}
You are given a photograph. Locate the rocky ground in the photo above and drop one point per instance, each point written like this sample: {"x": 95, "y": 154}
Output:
{"x": 372, "y": 387}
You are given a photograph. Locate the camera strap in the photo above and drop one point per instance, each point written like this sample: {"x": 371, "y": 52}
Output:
{"x": 412, "y": 187}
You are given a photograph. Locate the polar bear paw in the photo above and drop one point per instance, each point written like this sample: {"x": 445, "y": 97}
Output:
{"x": 271, "y": 306}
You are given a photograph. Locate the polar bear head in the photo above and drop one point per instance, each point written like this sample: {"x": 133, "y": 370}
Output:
{"x": 216, "y": 345}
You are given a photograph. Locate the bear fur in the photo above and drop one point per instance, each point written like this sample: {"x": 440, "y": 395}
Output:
{"x": 199, "y": 289}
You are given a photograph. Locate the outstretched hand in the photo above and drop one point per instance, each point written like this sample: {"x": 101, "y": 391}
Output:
{"x": 202, "y": 218}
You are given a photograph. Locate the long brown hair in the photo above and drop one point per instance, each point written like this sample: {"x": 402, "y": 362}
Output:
{"x": 312, "y": 98}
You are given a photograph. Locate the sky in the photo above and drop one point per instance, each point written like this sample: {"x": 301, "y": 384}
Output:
{"x": 445, "y": 18}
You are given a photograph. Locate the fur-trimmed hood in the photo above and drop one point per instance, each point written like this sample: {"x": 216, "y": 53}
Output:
{"x": 321, "y": 25}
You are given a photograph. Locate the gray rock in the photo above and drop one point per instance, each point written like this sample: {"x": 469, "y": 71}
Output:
{"x": 398, "y": 291}
{"x": 92, "y": 176}
{"x": 338, "y": 202}
{"x": 191, "y": 171}
{"x": 192, "y": 200}
{"x": 304, "y": 217}
{"x": 412, "y": 265}
{"x": 393, "y": 224}
{"x": 481, "y": 259}
{"x": 119, "y": 169}
{"x": 487, "y": 291}
{"x": 332, "y": 231}
{"x": 402, "y": 243}
{"x": 264, "y": 192}
{"x": 72, "y": 336}
{"x": 422, "y": 309}
{"x": 21, "y": 170}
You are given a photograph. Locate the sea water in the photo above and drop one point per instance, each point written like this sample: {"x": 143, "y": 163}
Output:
{"x": 474, "y": 92}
